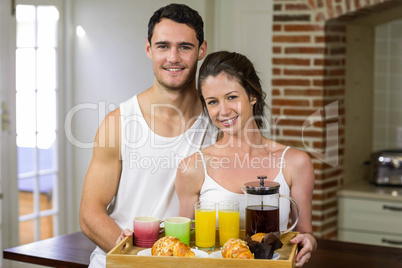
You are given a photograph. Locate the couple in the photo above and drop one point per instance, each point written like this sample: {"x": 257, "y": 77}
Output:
{"x": 149, "y": 126}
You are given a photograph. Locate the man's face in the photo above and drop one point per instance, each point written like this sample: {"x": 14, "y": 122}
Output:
{"x": 174, "y": 52}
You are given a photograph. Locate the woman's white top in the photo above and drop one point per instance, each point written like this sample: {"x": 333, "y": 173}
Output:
{"x": 212, "y": 191}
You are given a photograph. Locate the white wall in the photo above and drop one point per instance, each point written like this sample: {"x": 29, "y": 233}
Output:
{"x": 108, "y": 66}
{"x": 246, "y": 27}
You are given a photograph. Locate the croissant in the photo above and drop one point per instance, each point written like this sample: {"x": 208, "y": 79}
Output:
{"x": 237, "y": 249}
{"x": 171, "y": 246}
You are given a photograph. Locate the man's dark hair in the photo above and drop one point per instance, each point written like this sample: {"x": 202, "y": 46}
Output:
{"x": 181, "y": 14}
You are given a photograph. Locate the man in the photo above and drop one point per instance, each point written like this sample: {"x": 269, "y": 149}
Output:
{"x": 138, "y": 146}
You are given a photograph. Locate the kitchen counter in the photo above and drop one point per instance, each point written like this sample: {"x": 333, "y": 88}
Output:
{"x": 370, "y": 214}
{"x": 368, "y": 190}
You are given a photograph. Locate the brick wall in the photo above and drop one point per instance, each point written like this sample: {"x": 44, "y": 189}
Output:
{"x": 308, "y": 89}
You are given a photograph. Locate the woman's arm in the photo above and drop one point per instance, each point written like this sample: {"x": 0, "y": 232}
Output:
{"x": 300, "y": 174}
{"x": 189, "y": 180}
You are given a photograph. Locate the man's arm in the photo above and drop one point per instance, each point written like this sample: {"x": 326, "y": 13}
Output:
{"x": 101, "y": 184}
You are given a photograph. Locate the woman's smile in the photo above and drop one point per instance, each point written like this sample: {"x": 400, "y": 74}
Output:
{"x": 229, "y": 122}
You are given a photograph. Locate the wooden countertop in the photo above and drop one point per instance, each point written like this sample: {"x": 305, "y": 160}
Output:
{"x": 72, "y": 250}
{"x": 337, "y": 254}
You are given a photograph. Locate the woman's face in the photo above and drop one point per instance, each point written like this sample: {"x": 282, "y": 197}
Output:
{"x": 228, "y": 104}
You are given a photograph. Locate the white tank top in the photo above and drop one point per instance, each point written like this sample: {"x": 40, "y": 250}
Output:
{"x": 149, "y": 165}
{"x": 212, "y": 191}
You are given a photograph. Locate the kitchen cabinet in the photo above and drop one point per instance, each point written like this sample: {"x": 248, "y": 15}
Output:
{"x": 370, "y": 214}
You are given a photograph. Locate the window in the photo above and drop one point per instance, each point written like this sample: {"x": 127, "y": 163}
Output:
{"x": 36, "y": 95}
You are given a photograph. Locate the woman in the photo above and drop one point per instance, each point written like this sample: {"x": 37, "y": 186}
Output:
{"x": 231, "y": 94}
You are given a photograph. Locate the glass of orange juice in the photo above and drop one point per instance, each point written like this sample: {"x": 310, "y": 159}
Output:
{"x": 228, "y": 218}
{"x": 205, "y": 225}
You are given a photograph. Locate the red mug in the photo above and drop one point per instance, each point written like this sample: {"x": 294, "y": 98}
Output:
{"x": 146, "y": 231}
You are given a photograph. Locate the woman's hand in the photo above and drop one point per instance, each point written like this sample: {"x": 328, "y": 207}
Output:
{"x": 308, "y": 245}
{"x": 124, "y": 233}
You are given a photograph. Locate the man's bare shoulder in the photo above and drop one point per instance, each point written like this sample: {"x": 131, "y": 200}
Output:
{"x": 112, "y": 118}
{"x": 115, "y": 112}
{"x": 108, "y": 134}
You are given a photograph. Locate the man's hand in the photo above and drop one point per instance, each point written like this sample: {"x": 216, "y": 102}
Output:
{"x": 124, "y": 233}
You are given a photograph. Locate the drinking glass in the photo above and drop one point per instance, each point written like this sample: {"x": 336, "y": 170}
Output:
{"x": 205, "y": 225}
{"x": 229, "y": 220}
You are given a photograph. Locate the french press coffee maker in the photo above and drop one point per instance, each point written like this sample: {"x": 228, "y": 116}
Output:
{"x": 262, "y": 206}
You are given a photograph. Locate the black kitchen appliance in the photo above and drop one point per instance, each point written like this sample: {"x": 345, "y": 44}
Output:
{"x": 386, "y": 167}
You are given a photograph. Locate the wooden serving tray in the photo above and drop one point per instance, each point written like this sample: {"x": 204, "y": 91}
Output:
{"x": 125, "y": 255}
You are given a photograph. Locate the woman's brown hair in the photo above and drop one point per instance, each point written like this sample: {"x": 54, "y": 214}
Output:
{"x": 239, "y": 67}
